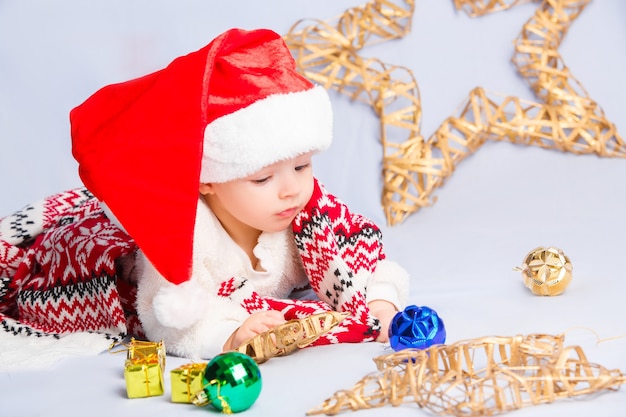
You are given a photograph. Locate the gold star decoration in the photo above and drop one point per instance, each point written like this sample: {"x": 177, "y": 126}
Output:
{"x": 565, "y": 119}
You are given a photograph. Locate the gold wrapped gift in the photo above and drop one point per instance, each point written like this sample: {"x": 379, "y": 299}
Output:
{"x": 143, "y": 369}
{"x": 186, "y": 381}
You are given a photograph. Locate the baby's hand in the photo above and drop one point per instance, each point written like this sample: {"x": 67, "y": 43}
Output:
{"x": 383, "y": 311}
{"x": 253, "y": 325}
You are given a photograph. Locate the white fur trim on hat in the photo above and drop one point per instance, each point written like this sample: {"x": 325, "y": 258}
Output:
{"x": 275, "y": 128}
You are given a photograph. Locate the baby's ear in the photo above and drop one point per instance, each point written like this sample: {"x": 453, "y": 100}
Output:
{"x": 206, "y": 188}
{"x": 179, "y": 306}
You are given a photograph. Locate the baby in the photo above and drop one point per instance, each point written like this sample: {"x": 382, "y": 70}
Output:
{"x": 207, "y": 165}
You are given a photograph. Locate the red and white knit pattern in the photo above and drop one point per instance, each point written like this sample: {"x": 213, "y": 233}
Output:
{"x": 339, "y": 250}
{"x": 64, "y": 268}
{"x": 58, "y": 269}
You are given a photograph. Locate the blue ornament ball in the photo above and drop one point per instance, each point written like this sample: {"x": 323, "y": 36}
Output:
{"x": 416, "y": 327}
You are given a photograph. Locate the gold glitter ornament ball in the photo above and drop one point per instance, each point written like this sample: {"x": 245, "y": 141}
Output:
{"x": 546, "y": 271}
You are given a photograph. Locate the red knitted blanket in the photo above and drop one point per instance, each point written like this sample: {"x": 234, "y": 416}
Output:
{"x": 62, "y": 270}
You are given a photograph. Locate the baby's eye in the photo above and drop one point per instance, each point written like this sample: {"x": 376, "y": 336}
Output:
{"x": 261, "y": 180}
{"x": 301, "y": 167}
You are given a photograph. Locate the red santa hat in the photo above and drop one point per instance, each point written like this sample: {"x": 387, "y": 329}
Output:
{"x": 214, "y": 115}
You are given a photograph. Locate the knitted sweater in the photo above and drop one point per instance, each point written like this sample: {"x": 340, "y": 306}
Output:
{"x": 337, "y": 253}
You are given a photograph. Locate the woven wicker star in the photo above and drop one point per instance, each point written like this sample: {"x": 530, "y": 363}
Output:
{"x": 478, "y": 377}
{"x": 565, "y": 118}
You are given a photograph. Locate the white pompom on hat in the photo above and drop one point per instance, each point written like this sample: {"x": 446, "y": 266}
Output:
{"x": 215, "y": 115}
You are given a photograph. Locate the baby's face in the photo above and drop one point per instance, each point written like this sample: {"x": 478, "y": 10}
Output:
{"x": 267, "y": 200}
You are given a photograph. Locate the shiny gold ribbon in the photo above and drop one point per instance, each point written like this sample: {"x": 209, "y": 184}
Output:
{"x": 201, "y": 398}
{"x": 145, "y": 367}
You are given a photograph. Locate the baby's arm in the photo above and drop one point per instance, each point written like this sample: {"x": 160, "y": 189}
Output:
{"x": 387, "y": 292}
{"x": 384, "y": 311}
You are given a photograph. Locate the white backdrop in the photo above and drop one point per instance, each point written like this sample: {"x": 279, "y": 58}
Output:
{"x": 500, "y": 203}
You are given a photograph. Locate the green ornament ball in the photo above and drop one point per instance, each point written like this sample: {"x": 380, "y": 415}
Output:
{"x": 232, "y": 382}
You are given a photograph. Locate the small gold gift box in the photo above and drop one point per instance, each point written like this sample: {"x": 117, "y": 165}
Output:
{"x": 143, "y": 369}
{"x": 186, "y": 381}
